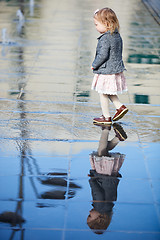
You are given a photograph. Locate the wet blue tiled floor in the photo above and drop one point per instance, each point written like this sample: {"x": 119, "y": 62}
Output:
{"x": 49, "y": 129}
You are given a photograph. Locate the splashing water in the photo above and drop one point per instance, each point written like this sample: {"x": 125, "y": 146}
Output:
{"x": 4, "y": 38}
{"x": 31, "y": 2}
{"x": 21, "y": 21}
{"x": 20, "y": 16}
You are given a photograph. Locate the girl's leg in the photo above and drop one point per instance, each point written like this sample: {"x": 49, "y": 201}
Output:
{"x": 104, "y": 105}
{"x": 115, "y": 100}
{"x": 103, "y": 143}
{"x": 112, "y": 143}
{"x": 121, "y": 109}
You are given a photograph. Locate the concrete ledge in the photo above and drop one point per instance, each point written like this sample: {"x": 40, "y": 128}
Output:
{"x": 154, "y": 8}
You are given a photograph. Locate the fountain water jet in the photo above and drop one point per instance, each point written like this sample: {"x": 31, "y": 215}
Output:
{"x": 21, "y": 21}
{"x": 4, "y": 38}
{"x": 31, "y": 6}
{"x": 20, "y": 16}
{"x": 31, "y": 2}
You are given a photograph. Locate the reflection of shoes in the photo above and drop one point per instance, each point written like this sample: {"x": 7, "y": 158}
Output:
{"x": 120, "y": 113}
{"x": 120, "y": 133}
{"x": 102, "y": 126}
{"x": 108, "y": 127}
{"x": 102, "y": 120}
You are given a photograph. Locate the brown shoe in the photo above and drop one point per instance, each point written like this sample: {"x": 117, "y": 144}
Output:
{"x": 119, "y": 131}
{"x": 102, "y": 120}
{"x": 120, "y": 113}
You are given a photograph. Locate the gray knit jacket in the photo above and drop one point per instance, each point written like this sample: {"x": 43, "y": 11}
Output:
{"x": 108, "y": 59}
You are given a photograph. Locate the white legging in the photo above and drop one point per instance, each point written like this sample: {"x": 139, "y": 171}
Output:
{"x": 104, "y": 101}
{"x": 104, "y": 144}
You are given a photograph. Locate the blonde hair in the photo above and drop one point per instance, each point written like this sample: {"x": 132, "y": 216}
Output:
{"x": 100, "y": 224}
{"x": 107, "y": 17}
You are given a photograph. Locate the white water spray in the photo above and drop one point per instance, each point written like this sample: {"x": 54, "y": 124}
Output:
{"x": 4, "y": 37}
{"x": 31, "y": 6}
{"x": 20, "y": 16}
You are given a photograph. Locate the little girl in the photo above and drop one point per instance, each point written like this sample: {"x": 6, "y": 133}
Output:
{"x": 108, "y": 65}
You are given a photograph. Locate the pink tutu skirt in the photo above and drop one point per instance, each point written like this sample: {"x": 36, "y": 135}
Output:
{"x": 106, "y": 165}
{"x": 109, "y": 84}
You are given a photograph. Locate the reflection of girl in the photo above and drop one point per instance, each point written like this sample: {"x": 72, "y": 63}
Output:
{"x": 108, "y": 65}
{"x": 104, "y": 179}
{"x": 104, "y": 192}
{"x": 103, "y": 161}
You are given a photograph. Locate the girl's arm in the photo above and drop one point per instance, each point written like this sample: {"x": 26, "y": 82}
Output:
{"x": 102, "y": 54}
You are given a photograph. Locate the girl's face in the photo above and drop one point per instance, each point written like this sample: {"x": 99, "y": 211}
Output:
{"x": 101, "y": 28}
{"x": 93, "y": 215}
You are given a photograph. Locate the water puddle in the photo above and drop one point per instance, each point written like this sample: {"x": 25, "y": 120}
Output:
{"x": 61, "y": 176}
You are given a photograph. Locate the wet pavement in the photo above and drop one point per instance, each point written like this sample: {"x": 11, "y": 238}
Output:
{"x": 46, "y": 133}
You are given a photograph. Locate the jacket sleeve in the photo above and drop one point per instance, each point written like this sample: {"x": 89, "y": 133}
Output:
{"x": 102, "y": 54}
{"x": 97, "y": 192}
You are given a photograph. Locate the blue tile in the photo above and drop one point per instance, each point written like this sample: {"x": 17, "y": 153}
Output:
{"x": 7, "y": 233}
{"x": 80, "y": 164}
{"x": 48, "y": 216}
{"x": 135, "y": 217}
{"x": 126, "y": 217}
{"x": 156, "y": 190}
{"x": 9, "y": 187}
{"x": 43, "y": 234}
{"x": 132, "y": 150}
{"x": 153, "y": 167}
{"x": 78, "y": 235}
{"x": 133, "y": 168}
{"x": 39, "y": 214}
{"x": 135, "y": 191}
{"x": 9, "y": 165}
{"x": 59, "y": 234}
{"x": 151, "y": 151}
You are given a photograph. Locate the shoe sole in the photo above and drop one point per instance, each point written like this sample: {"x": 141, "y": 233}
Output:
{"x": 120, "y": 115}
{"x": 123, "y": 136}
{"x": 102, "y": 123}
